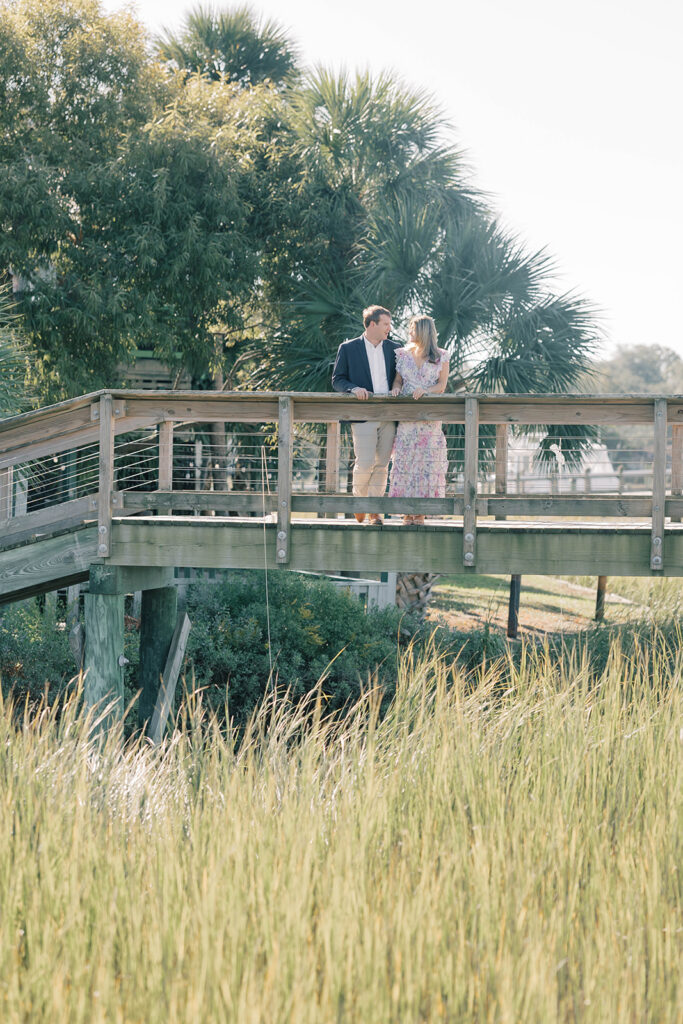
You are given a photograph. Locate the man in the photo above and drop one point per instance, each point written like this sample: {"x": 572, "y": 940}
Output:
{"x": 366, "y": 366}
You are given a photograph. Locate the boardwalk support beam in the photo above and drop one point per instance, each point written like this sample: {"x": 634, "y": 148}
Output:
{"x": 159, "y": 611}
{"x": 104, "y": 658}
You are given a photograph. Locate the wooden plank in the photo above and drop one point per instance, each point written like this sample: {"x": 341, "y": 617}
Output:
{"x": 56, "y": 434}
{"x": 166, "y": 455}
{"x": 223, "y": 501}
{"x": 243, "y": 501}
{"x": 215, "y": 409}
{"x": 55, "y": 561}
{"x": 576, "y": 506}
{"x": 677, "y": 461}
{"x": 47, "y": 520}
{"x": 332, "y": 503}
{"x": 563, "y": 409}
{"x": 169, "y": 678}
{"x": 471, "y": 465}
{"x": 69, "y": 406}
{"x": 120, "y": 579}
{"x": 318, "y": 545}
{"x": 441, "y": 408}
{"x": 70, "y": 441}
{"x": 284, "y": 480}
{"x": 501, "y": 479}
{"x": 106, "y": 474}
{"x": 658, "y": 484}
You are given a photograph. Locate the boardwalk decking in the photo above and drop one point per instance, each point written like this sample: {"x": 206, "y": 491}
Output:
{"x": 93, "y": 517}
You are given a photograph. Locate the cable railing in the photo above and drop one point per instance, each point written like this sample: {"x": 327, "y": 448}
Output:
{"x": 510, "y": 458}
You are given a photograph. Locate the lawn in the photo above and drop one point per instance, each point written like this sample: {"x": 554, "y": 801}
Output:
{"x": 549, "y": 604}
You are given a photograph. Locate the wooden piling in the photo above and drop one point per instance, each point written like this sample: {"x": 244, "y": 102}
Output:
{"x": 158, "y": 614}
{"x": 513, "y": 606}
{"x": 104, "y": 658}
{"x": 600, "y": 599}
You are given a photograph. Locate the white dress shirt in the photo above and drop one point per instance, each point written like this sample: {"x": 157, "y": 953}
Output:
{"x": 378, "y": 368}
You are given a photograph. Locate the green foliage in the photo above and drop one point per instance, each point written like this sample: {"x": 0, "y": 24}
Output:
{"x": 640, "y": 369}
{"x": 137, "y": 187}
{"x": 316, "y": 630}
{"x": 35, "y": 657}
{"x": 145, "y": 207}
{"x": 15, "y": 395}
{"x": 231, "y": 44}
{"x": 400, "y": 223}
{"x": 74, "y": 84}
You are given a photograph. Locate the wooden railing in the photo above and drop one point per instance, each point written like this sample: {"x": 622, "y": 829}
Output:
{"x": 97, "y": 423}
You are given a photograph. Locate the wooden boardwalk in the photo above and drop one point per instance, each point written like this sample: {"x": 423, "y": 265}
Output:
{"x": 121, "y": 488}
{"x": 91, "y": 517}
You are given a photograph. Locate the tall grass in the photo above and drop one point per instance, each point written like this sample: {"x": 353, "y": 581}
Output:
{"x": 474, "y": 855}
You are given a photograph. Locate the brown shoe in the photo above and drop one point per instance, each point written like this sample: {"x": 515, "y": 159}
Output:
{"x": 360, "y": 517}
{"x": 375, "y": 519}
{"x": 418, "y": 520}
{"x": 408, "y": 520}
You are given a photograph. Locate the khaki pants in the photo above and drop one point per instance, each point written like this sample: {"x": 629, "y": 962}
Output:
{"x": 372, "y": 444}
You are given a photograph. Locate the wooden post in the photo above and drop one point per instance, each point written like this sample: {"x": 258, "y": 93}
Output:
{"x": 658, "y": 484}
{"x": 332, "y": 458}
{"x": 6, "y": 488}
{"x": 104, "y": 659}
{"x": 332, "y": 446}
{"x": 105, "y": 412}
{"x": 166, "y": 456}
{"x": 158, "y": 614}
{"x": 513, "y": 606}
{"x": 71, "y": 475}
{"x": 169, "y": 678}
{"x": 469, "y": 519}
{"x": 284, "y": 479}
{"x": 501, "y": 485}
{"x": 600, "y": 599}
{"x": 676, "y": 463}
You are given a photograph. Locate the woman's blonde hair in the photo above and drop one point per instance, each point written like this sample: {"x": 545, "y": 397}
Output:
{"x": 424, "y": 329}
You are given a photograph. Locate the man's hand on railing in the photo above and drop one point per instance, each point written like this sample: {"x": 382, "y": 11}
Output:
{"x": 360, "y": 393}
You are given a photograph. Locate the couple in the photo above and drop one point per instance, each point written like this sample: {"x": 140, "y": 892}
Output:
{"x": 374, "y": 365}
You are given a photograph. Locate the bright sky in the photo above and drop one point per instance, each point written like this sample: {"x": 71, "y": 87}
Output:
{"x": 569, "y": 114}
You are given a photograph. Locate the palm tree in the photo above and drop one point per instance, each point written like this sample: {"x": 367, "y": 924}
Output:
{"x": 398, "y": 222}
{"x": 231, "y": 44}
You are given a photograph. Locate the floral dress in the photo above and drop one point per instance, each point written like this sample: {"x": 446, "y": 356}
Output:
{"x": 420, "y": 461}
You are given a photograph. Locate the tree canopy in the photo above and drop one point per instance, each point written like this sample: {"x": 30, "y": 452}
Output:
{"x": 149, "y": 199}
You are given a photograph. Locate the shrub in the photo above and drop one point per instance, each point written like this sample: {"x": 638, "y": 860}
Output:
{"x": 34, "y": 651}
{"x": 315, "y": 630}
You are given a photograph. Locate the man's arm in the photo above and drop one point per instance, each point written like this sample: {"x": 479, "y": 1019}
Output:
{"x": 340, "y": 373}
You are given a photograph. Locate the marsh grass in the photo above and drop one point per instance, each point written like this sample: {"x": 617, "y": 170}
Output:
{"x": 485, "y": 851}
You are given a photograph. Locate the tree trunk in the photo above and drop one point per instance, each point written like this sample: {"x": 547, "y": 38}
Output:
{"x": 413, "y": 590}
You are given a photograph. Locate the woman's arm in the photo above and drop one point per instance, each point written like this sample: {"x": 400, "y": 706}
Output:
{"x": 435, "y": 389}
{"x": 397, "y": 385}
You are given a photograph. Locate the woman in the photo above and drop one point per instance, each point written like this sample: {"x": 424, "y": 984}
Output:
{"x": 419, "y": 460}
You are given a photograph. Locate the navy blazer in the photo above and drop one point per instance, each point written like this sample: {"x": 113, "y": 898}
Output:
{"x": 352, "y": 369}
